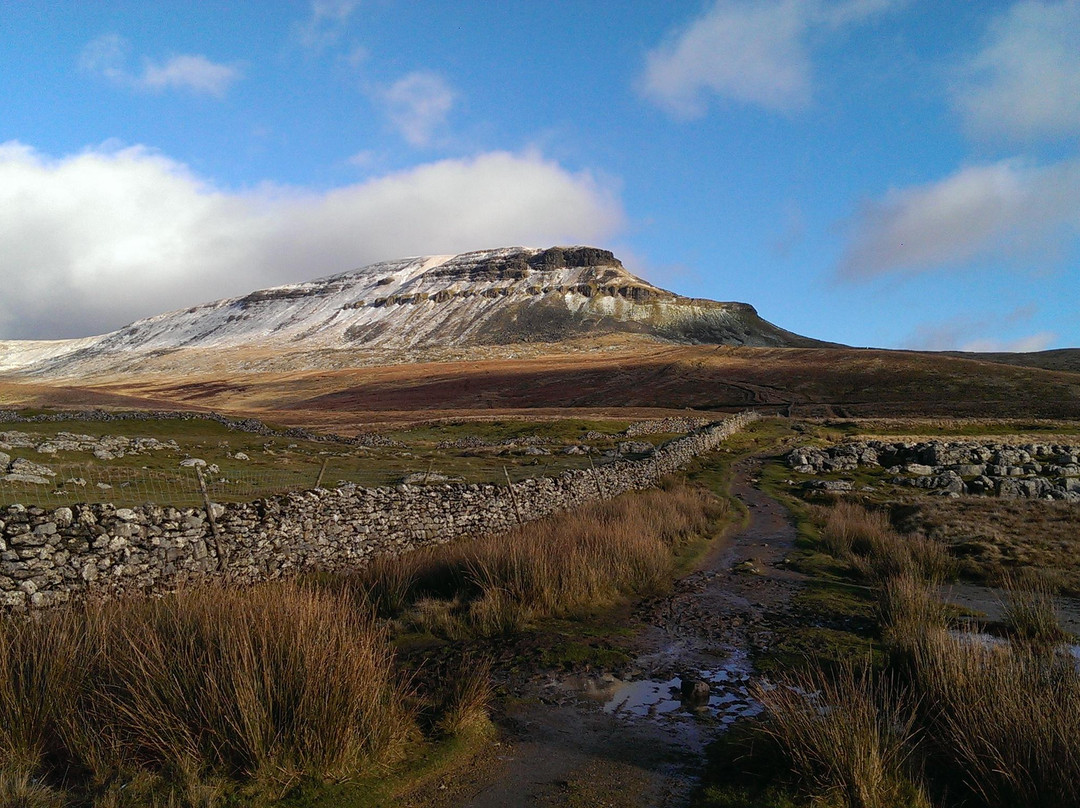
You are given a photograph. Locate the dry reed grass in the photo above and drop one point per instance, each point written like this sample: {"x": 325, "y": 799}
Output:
{"x": 1002, "y": 720}
{"x": 1031, "y": 616}
{"x": 565, "y": 565}
{"x": 867, "y": 541}
{"x": 268, "y": 684}
{"x": 848, "y": 734}
{"x": 990, "y": 724}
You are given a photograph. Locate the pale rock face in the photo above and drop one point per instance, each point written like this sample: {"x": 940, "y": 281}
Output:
{"x": 492, "y": 297}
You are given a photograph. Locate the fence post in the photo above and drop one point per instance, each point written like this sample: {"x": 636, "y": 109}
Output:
{"x": 210, "y": 516}
{"x": 513, "y": 496}
{"x": 596, "y": 478}
{"x": 322, "y": 471}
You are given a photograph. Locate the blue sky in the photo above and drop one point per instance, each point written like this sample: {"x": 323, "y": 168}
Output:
{"x": 898, "y": 173}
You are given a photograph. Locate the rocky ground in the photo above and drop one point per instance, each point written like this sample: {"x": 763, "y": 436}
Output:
{"x": 1029, "y": 471}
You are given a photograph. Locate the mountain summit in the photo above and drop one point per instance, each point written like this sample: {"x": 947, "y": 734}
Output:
{"x": 395, "y": 310}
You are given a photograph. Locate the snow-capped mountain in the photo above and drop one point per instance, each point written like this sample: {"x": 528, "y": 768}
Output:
{"x": 394, "y": 309}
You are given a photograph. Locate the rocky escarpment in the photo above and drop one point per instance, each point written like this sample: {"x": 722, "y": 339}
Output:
{"x": 1030, "y": 471}
{"x": 501, "y": 297}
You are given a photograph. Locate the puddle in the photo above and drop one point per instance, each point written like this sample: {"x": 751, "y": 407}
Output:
{"x": 726, "y": 698}
{"x": 984, "y": 640}
{"x": 980, "y": 638}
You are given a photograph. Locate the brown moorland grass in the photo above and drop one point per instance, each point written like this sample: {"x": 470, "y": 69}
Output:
{"x": 979, "y": 723}
{"x": 1003, "y": 720}
{"x": 867, "y": 541}
{"x": 268, "y": 685}
{"x": 570, "y": 564}
{"x": 993, "y": 539}
{"x": 848, "y": 733}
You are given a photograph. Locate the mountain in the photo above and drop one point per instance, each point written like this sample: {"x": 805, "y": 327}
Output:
{"x": 408, "y": 309}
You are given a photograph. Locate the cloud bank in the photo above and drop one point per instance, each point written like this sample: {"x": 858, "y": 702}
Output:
{"x": 1009, "y": 209}
{"x": 968, "y": 333}
{"x": 1024, "y": 82}
{"x": 96, "y": 240}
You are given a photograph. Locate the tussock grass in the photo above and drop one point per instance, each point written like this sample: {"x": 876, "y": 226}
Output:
{"x": 909, "y": 611}
{"x": 1031, "y": 616}
{"x": 1003, "y": 720}
{"x": 972, "y": 721}
{"x": 867, "y": 541}
{"x": 269, "y": 684}
{"x": 566, "y": 565}
{"x": 848, "y": 734}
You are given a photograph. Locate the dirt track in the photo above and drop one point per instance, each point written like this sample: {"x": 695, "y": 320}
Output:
{"x": 598, "y": 740}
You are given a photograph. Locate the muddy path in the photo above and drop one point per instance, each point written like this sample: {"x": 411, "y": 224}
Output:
{"x": 635, "y": 737}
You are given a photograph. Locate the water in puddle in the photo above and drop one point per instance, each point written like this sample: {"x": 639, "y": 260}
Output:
{"x": 727, "y": 699}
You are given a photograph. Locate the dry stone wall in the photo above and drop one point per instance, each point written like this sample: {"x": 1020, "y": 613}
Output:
{"x": 48, "y": 557}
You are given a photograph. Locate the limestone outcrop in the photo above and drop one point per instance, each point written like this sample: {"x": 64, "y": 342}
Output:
{"x": 1029, "y": 471}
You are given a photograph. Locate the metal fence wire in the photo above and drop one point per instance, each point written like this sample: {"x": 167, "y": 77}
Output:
{"x": 73, "y": 483}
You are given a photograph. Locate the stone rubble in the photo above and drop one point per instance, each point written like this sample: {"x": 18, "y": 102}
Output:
{"x": 1030, "y": 471}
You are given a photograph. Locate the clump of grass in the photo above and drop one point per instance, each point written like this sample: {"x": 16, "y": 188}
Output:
{"x": 18, "y": 789}
{"x": 909, "y": 612}
{"x": 849, "y": 735}
{"x": 1003, "y": 720}
{"x": 565, "y": 565}
{"x": 867, "y": 541}
{"x": 268, "y": 684}
{"x": 1031, "y": 616}
{"x": 464, "y": 710}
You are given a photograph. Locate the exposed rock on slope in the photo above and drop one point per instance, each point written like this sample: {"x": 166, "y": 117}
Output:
{"x": 493, "y": 297}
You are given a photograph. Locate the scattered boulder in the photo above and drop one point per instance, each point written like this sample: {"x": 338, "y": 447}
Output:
{"x": 21, "y": 466}
{"x": 1031, "y": 471}
{"x": 25, "y": 478}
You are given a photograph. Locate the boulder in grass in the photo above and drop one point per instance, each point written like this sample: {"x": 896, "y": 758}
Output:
{"x": 25, "y": 478}
{"x": 21, "y": 466}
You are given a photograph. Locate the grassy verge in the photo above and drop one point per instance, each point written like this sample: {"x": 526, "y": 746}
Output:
{"x": 190, "y": 697}
{"x": 941, "y": 717}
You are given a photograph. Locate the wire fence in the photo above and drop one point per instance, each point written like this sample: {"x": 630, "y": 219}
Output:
{"x": 72, "y": 483}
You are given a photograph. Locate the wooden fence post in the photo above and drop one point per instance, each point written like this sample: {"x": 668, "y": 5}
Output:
{"x": 322, "y": 471}
{"x": 210, "y": 516}
{"x": 513, "y": 497}
{"x": 596, "y": 478}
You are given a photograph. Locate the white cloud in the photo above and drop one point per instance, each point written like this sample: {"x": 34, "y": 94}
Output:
{"x": 98, "y": 239}
{"x": 189, "y": 72}
{"x": 1024, "y": 83}
{"x": 1003, "y": 210}
{"x": 327, "y": 20}
{"x": 108, "y": 56}
{"x": 755, "y": 53}
{"x": 417, "y": 105}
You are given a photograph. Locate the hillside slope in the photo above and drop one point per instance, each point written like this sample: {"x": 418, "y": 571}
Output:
{"x": 401, "y": 310}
